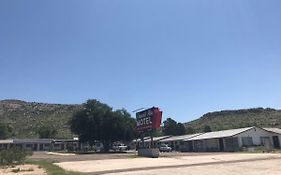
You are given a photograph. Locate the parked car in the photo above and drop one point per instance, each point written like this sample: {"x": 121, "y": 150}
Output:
{"x": 165, "y": 148}
{"x": 98, "y": 147}
{"x": 119, "y": 147}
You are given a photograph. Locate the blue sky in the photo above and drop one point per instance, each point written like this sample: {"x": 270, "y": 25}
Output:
{"x": 188, "y": 57}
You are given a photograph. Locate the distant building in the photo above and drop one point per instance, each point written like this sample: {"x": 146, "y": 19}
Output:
{"x": 40, "y": 144}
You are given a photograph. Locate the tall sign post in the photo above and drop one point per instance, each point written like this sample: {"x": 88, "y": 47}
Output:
{"x": 147, "y": 121}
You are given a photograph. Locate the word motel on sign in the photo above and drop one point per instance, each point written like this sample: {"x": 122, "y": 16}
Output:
{"x": 144, "y": 121}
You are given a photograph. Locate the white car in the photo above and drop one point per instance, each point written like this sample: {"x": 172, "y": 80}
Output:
{"x": 165, "y": 148}
{"x": 119, "y": 147}
{"x": 98, "y": 147}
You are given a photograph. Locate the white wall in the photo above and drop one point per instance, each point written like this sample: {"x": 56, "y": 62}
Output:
{"x": 212, "y": 144}
{"x": 255, "y": 133}
{"x": 279, "y": 136}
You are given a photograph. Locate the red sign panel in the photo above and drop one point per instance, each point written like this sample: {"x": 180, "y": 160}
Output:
{"x": 149, "y": 119}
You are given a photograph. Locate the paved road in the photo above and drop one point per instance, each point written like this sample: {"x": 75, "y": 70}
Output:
{"x": 175, "y": 164}
{"x": 100, "y": 156}
{"x": 255, "y": 167}
{"x": 180, "y": 166}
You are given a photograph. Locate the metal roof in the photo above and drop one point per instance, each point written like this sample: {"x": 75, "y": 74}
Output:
{"x": 6, "y": 141}
{"x": 18, "y": 141}
{"x": 139, "y": 139}
{"x": 275, "y": 130}
{"x": 220, "y": 134}
{"x": 65, "y": 140}
{"x": 181, "y": 137}
{"x": 31, "y": 141}
{"x": 156, "y": 138}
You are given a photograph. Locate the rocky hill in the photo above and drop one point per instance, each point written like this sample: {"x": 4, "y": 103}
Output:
{"x": 24, "y": 118}
{"x": 229, "y": 119}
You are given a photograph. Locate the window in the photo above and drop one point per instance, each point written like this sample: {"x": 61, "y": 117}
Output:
{"x": 265, "y": 141}
{"x": 28, "y": 145}
{"x": 247, "y": 141}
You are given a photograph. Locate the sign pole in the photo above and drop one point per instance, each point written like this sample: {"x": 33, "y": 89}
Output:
{"x": 147, "y": 121}
{"x": 151, "y": 138}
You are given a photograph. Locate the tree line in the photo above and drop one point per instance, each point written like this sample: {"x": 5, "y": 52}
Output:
{"x": 99, "y": 122}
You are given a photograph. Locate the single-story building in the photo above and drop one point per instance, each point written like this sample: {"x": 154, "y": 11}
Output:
{"x": 30, "y": 144}
{"x": 276, "y": 136}
{"x": 65, "y": 144}
{"x": 231, "y": 140}
{"x": 40, "y": 144}
{"x": 225, "y": 140}
{"x": 177, "y": 142}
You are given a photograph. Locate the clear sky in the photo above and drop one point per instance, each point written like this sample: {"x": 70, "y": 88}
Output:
{"x": 187, "y": 57}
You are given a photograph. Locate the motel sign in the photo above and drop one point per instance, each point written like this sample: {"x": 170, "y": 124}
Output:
{"x": 149, "y": 119}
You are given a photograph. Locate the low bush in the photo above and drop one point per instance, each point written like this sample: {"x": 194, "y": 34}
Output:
{"x": 16, "y": 170}
{"x": 13, "y": 156}
{"x": 51, "y": 168}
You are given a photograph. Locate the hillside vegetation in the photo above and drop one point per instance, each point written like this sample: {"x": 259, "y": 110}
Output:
{"x": 229, "y": 119}
{"x": 25, "y": 118}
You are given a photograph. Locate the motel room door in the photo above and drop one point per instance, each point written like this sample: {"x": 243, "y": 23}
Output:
{"x": 221, "y": 144}
{"x": 276, "y": 142}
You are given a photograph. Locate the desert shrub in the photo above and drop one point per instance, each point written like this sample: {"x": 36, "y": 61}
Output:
{"x": 13, "y": 156}
{"x": 16, "y": 170}
{"x": 30, "y": 169}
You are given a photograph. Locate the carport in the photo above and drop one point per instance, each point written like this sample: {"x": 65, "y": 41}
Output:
{"x": 177, "y": 142}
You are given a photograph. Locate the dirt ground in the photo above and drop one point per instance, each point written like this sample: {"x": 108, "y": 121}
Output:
{"x": 78, "y": 157}
{"x": 263, "y": 167}
{"x": 202, "y": 164}
{"x": 22, "y": 170}
{"x": 101, "y": 156}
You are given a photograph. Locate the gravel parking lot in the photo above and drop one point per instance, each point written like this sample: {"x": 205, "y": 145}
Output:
{"x": 57, "y": 157}
{"x": 226, "y": 163}
{"x": 261, "y": 167}
{"x": 78, "y": 157}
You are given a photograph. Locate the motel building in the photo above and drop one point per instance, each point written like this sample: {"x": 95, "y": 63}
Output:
{"x": 234, "y": 140}
{"x": 220, "y": 141}
{"x": 226, "y": 140}
{"x": 40, "y": 144}
{"x": 276, "y": 136}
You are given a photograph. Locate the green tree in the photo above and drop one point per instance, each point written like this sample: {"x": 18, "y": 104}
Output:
{"x": 189, "y": 130}
{"x": 207, "y": 128}
{"x": 158, "y": 132}
{"x": 181, "y": 129}
{"x": 171, "y": 127}
{"x": 4, "y": 131}
{"x": 97, "y": 121}
{"x": 46, "y": 132}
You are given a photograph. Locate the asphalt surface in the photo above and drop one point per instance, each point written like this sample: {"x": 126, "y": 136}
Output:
{"x": 180, "y": 166}
{"x": 101, "y": 156}
{"x": 191, "y": 162}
